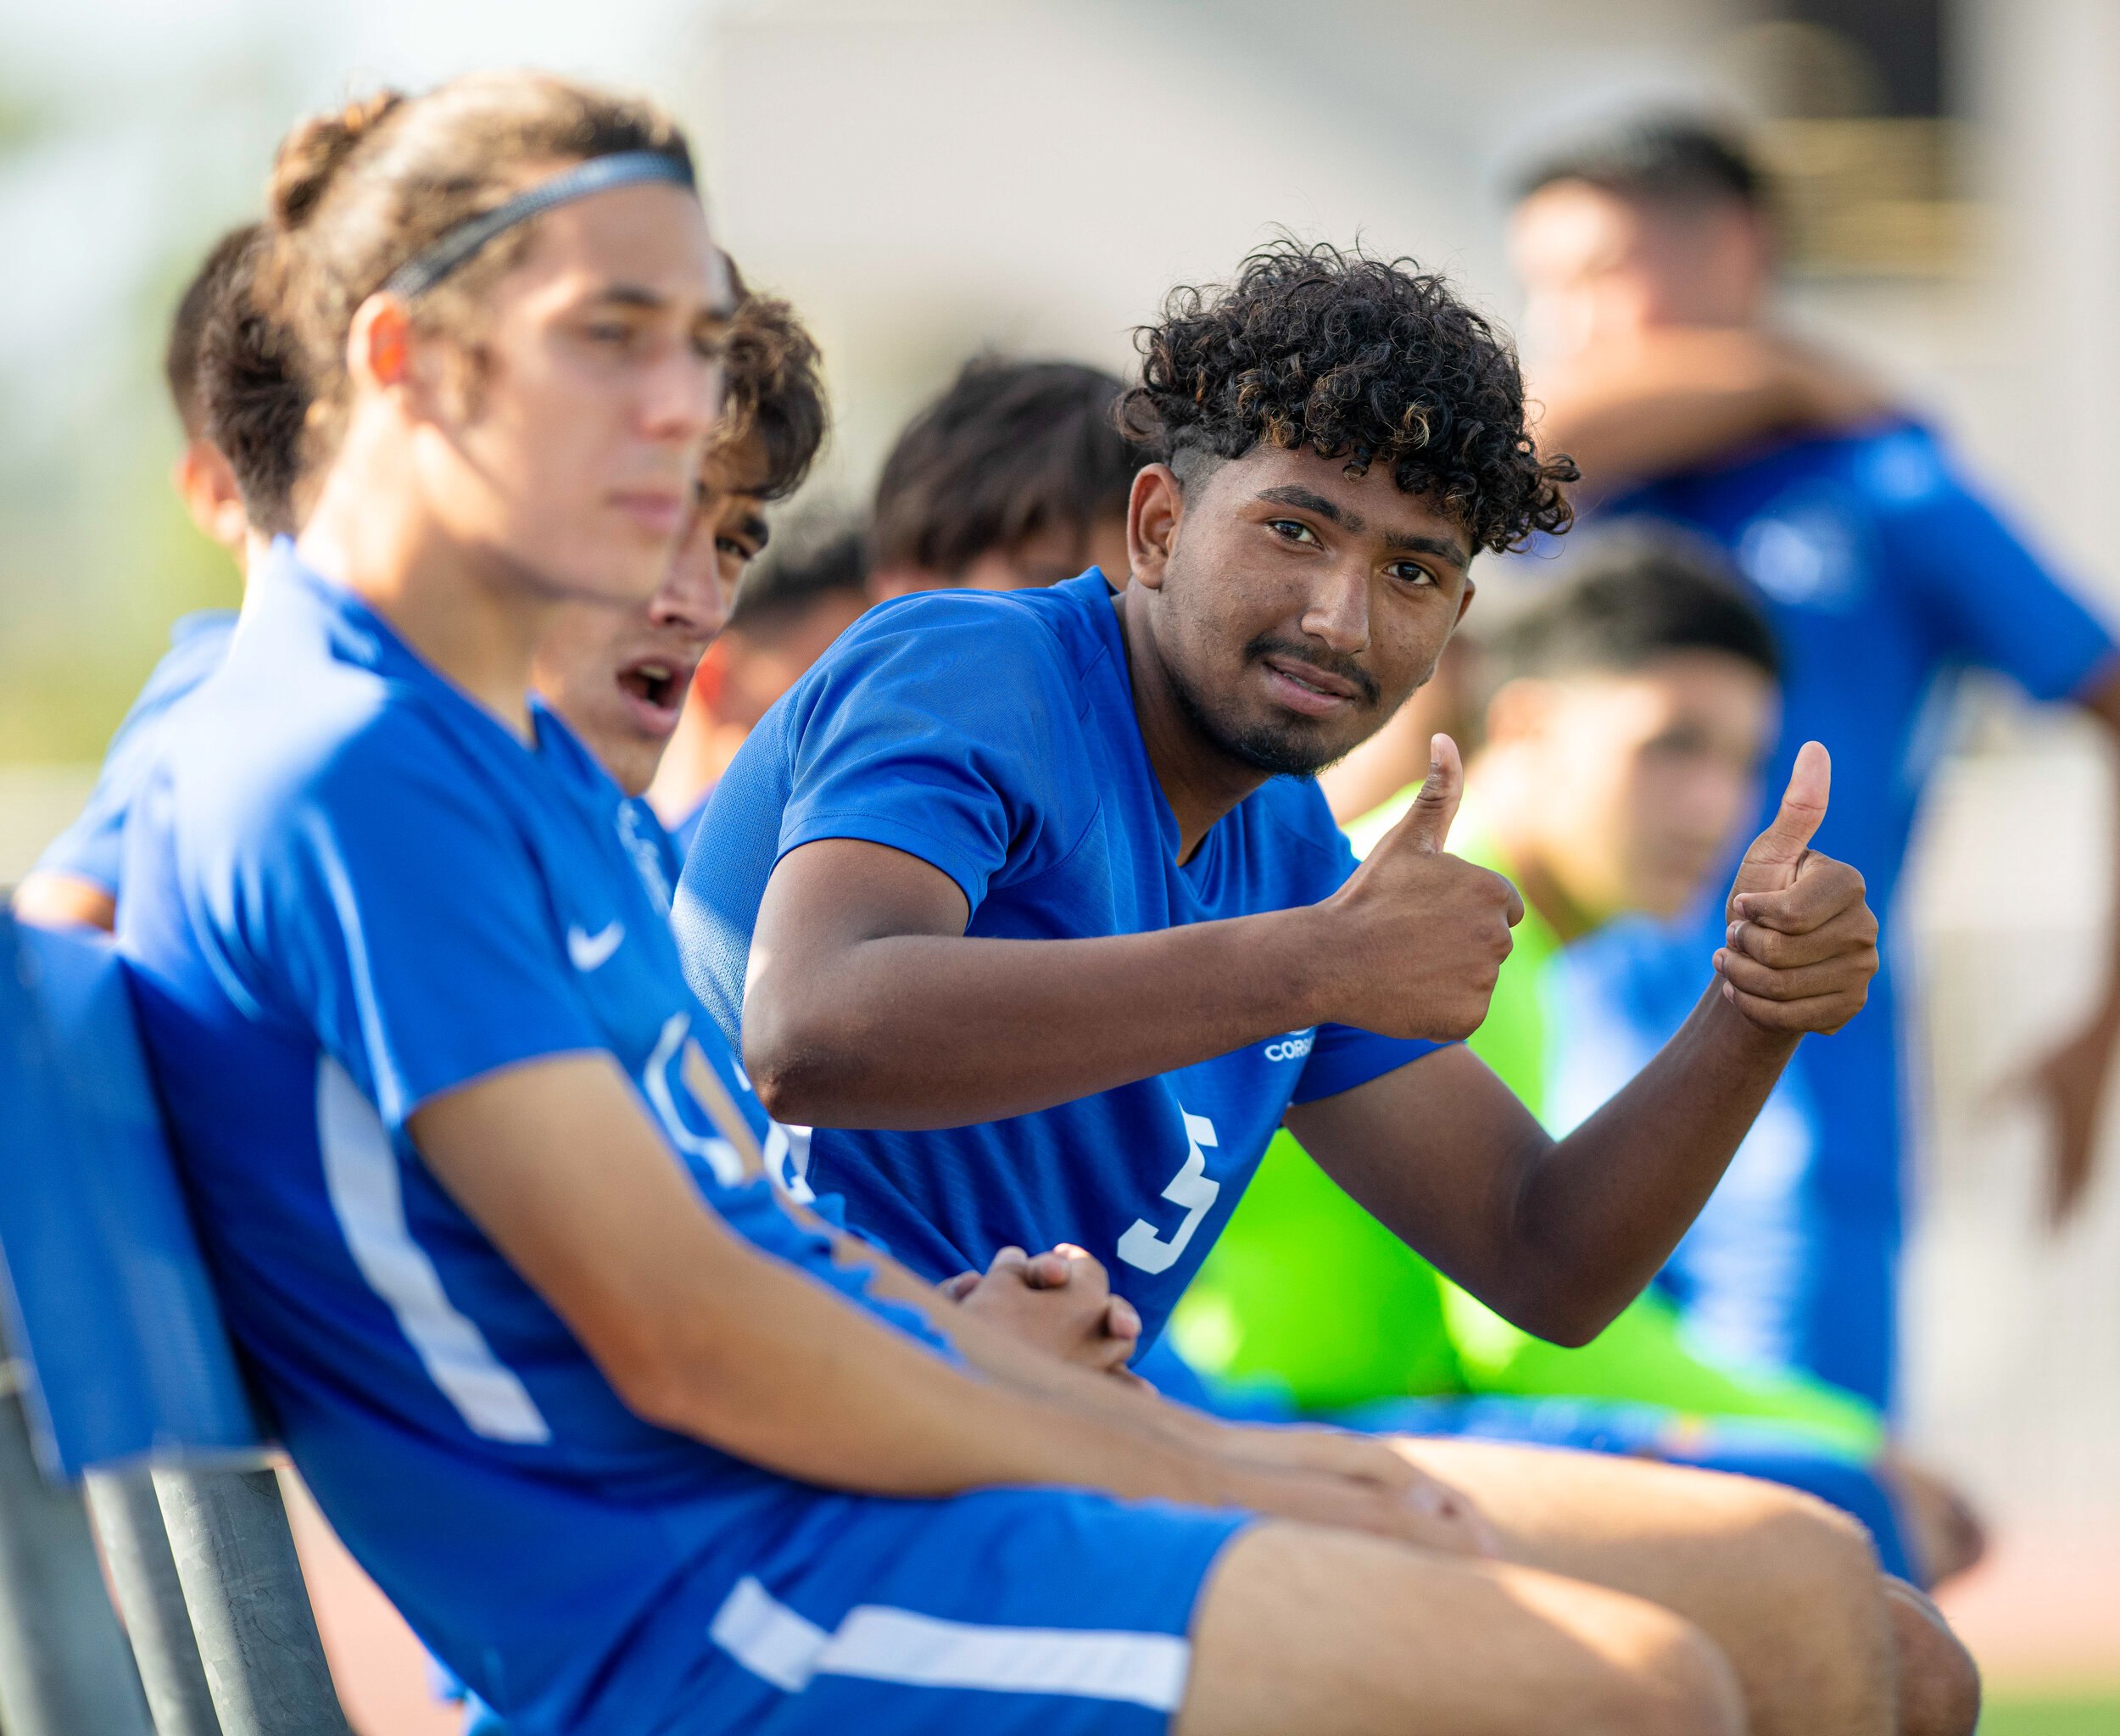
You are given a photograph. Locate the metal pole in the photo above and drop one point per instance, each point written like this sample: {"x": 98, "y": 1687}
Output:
{"x": 64, "y": 1670}
{"x": 128, "y": 1517}
{"x": 257, "y": 1634}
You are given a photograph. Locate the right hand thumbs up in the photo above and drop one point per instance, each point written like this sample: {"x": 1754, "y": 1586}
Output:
{"x": 1425, "y": 933}
{"x": 1427, "y": 823}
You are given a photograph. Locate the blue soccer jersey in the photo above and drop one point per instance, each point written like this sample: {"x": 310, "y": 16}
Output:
{"x": 93, "y": 848}
{"x": 993, "y": 735}
{"x": 349, "y": 888}
{"x": 1884, "y": 578}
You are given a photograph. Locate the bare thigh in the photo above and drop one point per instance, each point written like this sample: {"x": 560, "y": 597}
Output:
{"x": 1787, "y": 1587}
{"x": 1303, "y": 1632}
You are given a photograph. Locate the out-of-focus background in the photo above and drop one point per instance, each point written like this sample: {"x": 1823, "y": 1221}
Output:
{"x": 926, "y": 178}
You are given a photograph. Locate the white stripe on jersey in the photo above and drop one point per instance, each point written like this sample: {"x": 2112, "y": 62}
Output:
{"x": 882, "y": 1644}
{"x": 361, "y": 1172}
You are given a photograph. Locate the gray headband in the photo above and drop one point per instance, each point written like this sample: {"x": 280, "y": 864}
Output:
{"x": 443, "y": 255}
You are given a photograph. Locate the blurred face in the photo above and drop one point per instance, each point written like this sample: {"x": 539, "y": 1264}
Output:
{"x": 562, "y": 447}
{"x": 1293, "y": 609}
{"x": 1046, "y": 556}
{"x": 620, "y": 676}
{"x": 1597, "y": 268}
{"x": 1052, "y": 556}
{"x": 750, "y": 670}
{"x": 1632, "y": 786}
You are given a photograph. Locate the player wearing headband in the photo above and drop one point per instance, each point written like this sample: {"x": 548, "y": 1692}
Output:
{"x": 1026, "y": 903}
{"x": 631, "y": 1444}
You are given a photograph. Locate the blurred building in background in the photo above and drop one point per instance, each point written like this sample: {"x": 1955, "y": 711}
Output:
{"x": 929, "y": 178}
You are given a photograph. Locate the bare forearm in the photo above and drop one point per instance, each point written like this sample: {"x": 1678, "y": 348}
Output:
{"x": 805, "y": 1385}
{"x": 1008, "y": 1359}
{"x": 1679, "y": 397}
{"x": 922, "y": 1030}
{"x": 1599, "y": 1212}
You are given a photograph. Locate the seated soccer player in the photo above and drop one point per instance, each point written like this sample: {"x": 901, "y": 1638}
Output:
{"x": 75, "y": 880}
{"x": 1016, "y": 476}
{"x": 634, "y": 1442}
{"x": 1629, "y": 702}
{"x": 790, "y": 608}
{"x": 1025, "y": 903}
{"x": 622, "y": 677}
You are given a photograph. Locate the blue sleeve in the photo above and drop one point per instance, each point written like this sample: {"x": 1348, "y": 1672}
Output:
{"x": 93, "y": 848}
{"x": 1994, "y": 603}
{"x": 400, "y": 918}
{"x": 1341, "y": 1056}
{"x": 941, "y": 732}
{"x": 1344, "y": 1056}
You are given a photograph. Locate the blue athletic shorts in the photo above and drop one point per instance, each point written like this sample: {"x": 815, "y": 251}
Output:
{"x": 1046, "y": 1612}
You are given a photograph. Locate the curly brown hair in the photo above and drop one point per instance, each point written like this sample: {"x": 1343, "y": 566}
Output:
{"x": 1352, "y": 356}
{"x": 773, "y": 413}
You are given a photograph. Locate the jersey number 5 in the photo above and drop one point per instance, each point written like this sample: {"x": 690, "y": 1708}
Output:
{"x": 1191, "y": 1187}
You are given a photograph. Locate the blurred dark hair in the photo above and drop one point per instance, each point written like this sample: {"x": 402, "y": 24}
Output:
{"x": 251, "y": 401}
{"x": 1618, "y": 599}
{"x": 1350, "y": 356}
{"x": 813, "y": 557}
{"x": 1011, "y": 448}
{"x": 774, "y": 395}
{"x": 1657, "y": 159}
{"x": 208, "y": 289}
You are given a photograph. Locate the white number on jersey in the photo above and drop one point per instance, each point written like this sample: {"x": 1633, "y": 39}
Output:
{"x": 1191, "y": 1187}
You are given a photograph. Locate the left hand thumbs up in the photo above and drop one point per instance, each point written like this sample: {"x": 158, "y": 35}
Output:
{"x": 1801, "y": 944}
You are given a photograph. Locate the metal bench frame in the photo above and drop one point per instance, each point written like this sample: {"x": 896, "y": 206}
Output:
{"x": 123, "y": 1406}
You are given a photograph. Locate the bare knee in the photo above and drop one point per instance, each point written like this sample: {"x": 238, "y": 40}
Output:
{"x": 1677, "y": 1683}
{"x": 1816, "y": 1543}
{"x": 1939, "y": 1683}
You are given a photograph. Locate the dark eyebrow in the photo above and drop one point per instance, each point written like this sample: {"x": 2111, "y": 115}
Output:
{"x": 1400, "y": 542}
{"x": 633, "y": 295}
{"x": 654, "y": 301}
{"x": 1294, "y": 494}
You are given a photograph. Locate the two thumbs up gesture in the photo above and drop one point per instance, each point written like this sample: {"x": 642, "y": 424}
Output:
{"x": 1798, "y": 953}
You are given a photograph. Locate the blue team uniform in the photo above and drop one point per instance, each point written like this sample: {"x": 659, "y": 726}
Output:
{"x": 1884, "y": 578}
{"x": 349, "y": 888}
{"x": 93, "y": 848}
{"x": 993, "y": 735}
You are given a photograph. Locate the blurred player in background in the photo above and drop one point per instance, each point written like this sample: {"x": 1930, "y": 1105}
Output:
{"x": 1016, "y": 476}
{"x": 75, "y": 880}
{"x": 622, "y": 677}
{"x": 1647, "y": 257}
{"x": 807, "y": 590}
{"x": 1627, "y": 704}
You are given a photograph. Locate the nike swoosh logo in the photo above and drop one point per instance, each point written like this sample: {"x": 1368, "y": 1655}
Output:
{"x": 589, "y": 950}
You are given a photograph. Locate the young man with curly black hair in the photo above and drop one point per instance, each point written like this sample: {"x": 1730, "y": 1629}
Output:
{"x": 1027, "y": 904}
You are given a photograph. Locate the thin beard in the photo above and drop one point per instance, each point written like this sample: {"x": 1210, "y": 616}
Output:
{"x": 1261, "y": 750}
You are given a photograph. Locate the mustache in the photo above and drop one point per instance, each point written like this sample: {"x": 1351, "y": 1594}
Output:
{"x": 1295, "y": 651}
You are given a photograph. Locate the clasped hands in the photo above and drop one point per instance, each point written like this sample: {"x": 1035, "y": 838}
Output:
{"x": 1061, "y": 1302}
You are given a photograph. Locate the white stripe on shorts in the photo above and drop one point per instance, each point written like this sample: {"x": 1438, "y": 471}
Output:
{"x": 883, "y": 1644}
{"x": 360, "y": 1174}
